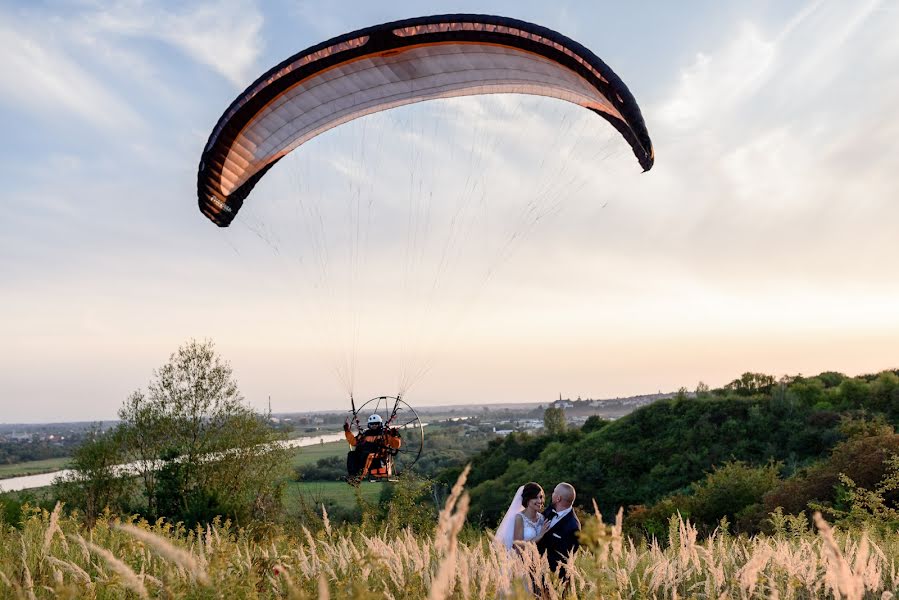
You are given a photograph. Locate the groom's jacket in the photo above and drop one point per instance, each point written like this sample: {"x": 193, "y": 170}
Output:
{"x": 560, "y": 539}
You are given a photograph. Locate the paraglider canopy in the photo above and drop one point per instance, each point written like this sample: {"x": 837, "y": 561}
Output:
{"x": 392, "y": 65}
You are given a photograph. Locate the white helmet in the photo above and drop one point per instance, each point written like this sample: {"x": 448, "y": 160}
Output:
{"x": 375, "y": 419}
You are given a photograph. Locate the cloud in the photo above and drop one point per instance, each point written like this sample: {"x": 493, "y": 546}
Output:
{"x": 716, "y": 83}
{"x": 222, "y": 35}
{"x": 39, "y": 76}
{"x": 774, "y": 145}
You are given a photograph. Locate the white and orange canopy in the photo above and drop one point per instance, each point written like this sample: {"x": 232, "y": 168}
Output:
{"x": 392, "y": 65}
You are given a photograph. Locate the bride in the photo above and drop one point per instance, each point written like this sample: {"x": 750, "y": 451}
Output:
{"x": 524, "y": 521}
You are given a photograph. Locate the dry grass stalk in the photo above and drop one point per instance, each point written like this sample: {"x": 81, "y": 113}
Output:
{"x": 207, "y": 539}
{"x": 687, "y": 538}
{"x": 326, "y": 521}
{"x": 748, "y": 576}
{"x": 464, "y": 574}
{"x": 71, "y": 567}
{"x": 126, "y": 574}
{"x": 313, "y": 553}
{"x": 85, "y": 552}
{"x": 323, "y": 593}
{"x": 27, "y": 582}
{"x": 445, "y": 522}
{"x": 867, "y": 563}
{"x": 168, "y": 551}
{"x": 450, "y": 522}
{"x": 839, "y": 574}
{"x": 618, "y": 535}
{"x": 52, "y": 529}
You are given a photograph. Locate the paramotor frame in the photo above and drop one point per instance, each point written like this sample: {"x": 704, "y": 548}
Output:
{"x": 399, "y": 415}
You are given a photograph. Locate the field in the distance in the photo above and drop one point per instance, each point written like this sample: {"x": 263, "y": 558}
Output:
{"x": 308, "y": 455}
{"x": 329, "y": 493}
{"x": 34, "y": 467}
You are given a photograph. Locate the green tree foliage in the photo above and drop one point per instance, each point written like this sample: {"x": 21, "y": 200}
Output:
{"x": 451, "y": 445}
{"x": 200, "y": 450}
{"x": 495, "y": 459}
{"x": 330, "y": 468}
{"x": 862, "y": 425}
{"x": 751, "y": 383}
{"x": 510, "y": 462}
{"x": 669, "y": 447}
{"x": 733, "y": 491}
{"x": 876, "y": 507}
{"x": 409, "y": 503}
{"x": 554, "y": 422}
{"x": 593, "y": 423}
{"x": 864, "y": 459}
{"x": 94, "y": 481}
{"x": 197, "y": 449}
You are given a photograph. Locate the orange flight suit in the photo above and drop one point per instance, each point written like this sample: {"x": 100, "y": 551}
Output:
{"x": 380, "y": 444}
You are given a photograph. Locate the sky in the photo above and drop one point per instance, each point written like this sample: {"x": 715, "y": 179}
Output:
{"x": 764, "y": 239}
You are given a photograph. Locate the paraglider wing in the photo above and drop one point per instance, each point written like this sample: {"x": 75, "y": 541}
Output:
{"x": 393, "y": 65}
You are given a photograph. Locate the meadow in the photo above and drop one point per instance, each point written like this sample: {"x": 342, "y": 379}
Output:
{"x": 33, "y": 467}
{"x": 330, "y": 493}
{"x": 307, "y": 455}
{"x": 51, "y": 555}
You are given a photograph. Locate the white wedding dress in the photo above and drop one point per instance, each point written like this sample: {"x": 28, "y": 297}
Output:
{"x": 531, "y": 528}
{"x": 506, "y": 530}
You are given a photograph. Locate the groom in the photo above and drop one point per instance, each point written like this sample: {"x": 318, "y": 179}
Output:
{"x": 561, "y": 537}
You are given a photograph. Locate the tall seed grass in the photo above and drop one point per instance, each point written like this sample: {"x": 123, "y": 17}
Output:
{"x": 51, "y": 555}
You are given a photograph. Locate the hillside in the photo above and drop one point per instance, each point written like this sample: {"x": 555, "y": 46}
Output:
{"x": 671, "y": 446}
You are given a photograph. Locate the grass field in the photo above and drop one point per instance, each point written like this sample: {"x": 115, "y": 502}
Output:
{"x": 52, "y": 555}
{"x": 34, "y": 467}
{"x": 337, "y": 492}
{"x": 307, "y": 455}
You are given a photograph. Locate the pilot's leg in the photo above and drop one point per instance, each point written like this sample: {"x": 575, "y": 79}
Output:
{"x": 368, "y": 459}
{"x": 352, "y": 463}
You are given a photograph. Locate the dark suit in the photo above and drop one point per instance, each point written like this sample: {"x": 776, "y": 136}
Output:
{"x": 560, "y": 539}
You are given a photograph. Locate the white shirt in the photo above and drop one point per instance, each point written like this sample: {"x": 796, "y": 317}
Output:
{"x": 558, "y": 517}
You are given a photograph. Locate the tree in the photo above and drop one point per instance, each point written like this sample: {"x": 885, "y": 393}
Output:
{"x": 733, "y": 490}
{"x": 752, "y": 383}
{"x": 143, "y": 432}
{"x": 93, "y": 481}
{"x": 200, "y": 449}
{"x": 593, "y": 423}
{"x": 554, "y": 421}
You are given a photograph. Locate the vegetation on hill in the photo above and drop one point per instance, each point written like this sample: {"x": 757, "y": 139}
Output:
{"x": 757, "y": 442}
